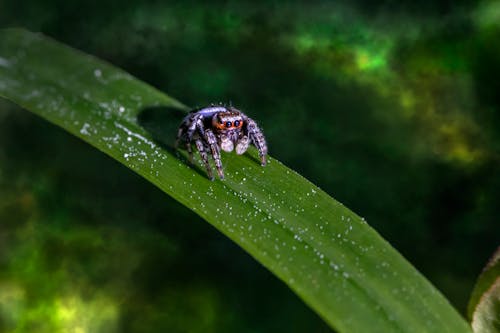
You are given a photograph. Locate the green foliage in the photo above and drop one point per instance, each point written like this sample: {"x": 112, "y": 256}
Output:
{"x": 484, "y": 305}
{"x": 328, "y": 255}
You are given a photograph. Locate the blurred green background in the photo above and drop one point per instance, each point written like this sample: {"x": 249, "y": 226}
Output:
{"x": 392, "y": 107}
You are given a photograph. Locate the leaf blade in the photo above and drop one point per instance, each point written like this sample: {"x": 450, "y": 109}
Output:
{"x": 328, "y": 255}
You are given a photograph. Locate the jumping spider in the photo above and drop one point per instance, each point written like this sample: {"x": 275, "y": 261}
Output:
{"x": 220, "y": 127}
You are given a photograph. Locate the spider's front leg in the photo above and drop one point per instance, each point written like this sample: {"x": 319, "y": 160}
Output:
{"x": 257, "y": 137}
{"x": 211, "y": 140}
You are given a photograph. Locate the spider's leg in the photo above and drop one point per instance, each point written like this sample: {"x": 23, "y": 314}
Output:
{"x": 190, "y": 124}
{"x": 176, "y": 144}
{"x": 182, "y": 135}
{"x": 212, "y": 143}
{"x": 242, "y": 145}
{"x": 196, "y": 124}
{"x": 257, "y": 137}
{"x": 190, "y": 152}
{"x": 197, "y": 129}
{"x": 188, "y": 127}
{"x": 204, "y": 156}
{"x": 180, "y": 132}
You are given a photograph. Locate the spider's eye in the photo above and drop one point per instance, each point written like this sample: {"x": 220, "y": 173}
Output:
{"x": 236, "y": 123}
{"x": 228, "y": 124}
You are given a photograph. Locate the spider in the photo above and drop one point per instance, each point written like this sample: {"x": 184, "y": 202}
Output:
{"x": 213, "y": 128}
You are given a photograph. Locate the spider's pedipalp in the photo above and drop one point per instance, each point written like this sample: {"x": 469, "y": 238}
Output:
{"x": 242, "y": 145}
{"x": 226, "y": 144}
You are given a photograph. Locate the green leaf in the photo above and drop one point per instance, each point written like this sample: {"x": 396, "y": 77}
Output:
{"x": 324, "y": 252}
{"x": 484, "y": 305}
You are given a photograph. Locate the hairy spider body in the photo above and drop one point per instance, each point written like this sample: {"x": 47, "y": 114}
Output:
{"x": 213, "y": 128}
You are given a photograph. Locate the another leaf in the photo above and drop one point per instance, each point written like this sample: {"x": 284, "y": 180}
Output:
{"x": 484, "y": 305}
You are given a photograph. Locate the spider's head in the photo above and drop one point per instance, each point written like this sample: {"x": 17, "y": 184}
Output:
{"x": 227, "y": 121}
{"x": 227, "y": 126}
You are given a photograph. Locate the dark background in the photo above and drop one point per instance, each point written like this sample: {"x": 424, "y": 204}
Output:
{"x": 392, "y": 107}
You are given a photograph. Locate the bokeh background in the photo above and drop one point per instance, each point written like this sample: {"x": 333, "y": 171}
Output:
{"x": 392, "y": 107}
